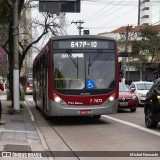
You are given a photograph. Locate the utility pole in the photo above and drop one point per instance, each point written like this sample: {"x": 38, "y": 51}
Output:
{"x": 78, "y": 26}
{"x": 139, "y": 6}
{"x": 16, "y": 58}
{"x": 124, "y": 59}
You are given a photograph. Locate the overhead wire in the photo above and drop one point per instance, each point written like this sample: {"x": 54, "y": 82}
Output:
{"x": 114, "y": 3}
{"x": 120, "y": 16}
{"x": 98, "y": 14}
{"x": 104, "y": 16}
{"x": 93, "y": 15}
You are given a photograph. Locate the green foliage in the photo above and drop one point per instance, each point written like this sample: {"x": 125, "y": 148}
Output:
{"x": 9, "y": 96}
{"x": 3, "y": 68}
{"x": 5, "y": 10}
{"x": 22, "y": 96}
{"x": 146, "y": 49}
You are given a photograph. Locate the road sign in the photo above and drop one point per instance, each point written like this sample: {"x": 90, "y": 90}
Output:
{"x": 56, "y": 6}
{"x": 86, "y": 32}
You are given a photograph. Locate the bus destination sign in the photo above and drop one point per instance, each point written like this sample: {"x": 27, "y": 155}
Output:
{"x": 85, "y": 44}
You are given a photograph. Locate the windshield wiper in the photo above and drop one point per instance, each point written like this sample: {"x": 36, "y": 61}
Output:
{"x": 73, "y": 60}
{"x": 93, "y": 60}
{"x": 71, "y": 57}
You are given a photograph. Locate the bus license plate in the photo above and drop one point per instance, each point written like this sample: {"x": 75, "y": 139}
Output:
{"x": 85, "y": 112}
{"x": 124, "y": 104}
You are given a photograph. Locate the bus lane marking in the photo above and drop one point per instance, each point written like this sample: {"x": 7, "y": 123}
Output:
{"x": 133, "y": 125}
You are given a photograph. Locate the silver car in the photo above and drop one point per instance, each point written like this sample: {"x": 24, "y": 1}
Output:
{"x": 140, "y": 88}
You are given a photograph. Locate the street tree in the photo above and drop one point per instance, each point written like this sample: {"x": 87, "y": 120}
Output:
{"x": 3, "y": 70}
{"x": 146, "y": 48}
{"x": 49, "y": 24}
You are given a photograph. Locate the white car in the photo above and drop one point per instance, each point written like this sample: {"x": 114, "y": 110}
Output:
{"x": 140, "y": 88}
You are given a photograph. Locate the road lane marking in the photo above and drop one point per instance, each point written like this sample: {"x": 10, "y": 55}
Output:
{"x": 133, "y": 125}
{"x": 32, "y": 117}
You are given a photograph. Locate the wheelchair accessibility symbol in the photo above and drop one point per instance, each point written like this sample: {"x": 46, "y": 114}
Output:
{"x": 90, "y": 84}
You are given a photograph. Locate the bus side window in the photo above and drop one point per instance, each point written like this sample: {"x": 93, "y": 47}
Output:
{"x": 45, "y": 61}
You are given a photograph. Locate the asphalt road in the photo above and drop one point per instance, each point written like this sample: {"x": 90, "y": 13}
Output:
{"x": 124, "y": 131}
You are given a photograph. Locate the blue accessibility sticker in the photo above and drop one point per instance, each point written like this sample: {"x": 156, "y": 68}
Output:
{"x": 90, "y": 84}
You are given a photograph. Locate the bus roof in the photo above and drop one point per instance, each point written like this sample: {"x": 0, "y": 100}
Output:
{"x": 70, "y": 37}
{"x": 82, "y": 37}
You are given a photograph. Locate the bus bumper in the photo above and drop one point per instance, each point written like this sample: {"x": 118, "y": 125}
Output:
{"x": 57, "y": 109}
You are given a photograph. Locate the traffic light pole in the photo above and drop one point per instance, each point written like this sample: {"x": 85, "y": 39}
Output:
{"x": 16, "y": 59}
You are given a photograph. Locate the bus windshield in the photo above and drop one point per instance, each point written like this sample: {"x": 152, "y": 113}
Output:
{"x": 84, "y": 71}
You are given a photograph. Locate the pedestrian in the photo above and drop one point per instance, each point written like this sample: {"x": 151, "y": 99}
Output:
{"x": 1, "y": 88}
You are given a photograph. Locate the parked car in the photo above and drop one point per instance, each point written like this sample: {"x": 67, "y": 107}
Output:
{"x": 140, "y": 88}
{"x": 127, "y": 99}
{"x": 152, "y": 106}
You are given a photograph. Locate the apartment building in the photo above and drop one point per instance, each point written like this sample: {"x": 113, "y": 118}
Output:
{"x": 26, "y": 36}
{"x": 149, "y": 12}
{"x": 119, "y": 35}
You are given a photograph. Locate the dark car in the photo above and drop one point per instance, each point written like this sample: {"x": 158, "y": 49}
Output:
{"x": 127, "y": 99}
{"x": 152, "y": 106}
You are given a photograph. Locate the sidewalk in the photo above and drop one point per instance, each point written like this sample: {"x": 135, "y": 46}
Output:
{"x": 18, "y": 131}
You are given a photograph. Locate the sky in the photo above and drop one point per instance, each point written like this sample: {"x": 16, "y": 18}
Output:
{"x": 101, "y": 16}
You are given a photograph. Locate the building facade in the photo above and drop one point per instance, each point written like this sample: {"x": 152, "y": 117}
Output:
{"x": 132, "y": 74}
{"x": 149, "y": 12}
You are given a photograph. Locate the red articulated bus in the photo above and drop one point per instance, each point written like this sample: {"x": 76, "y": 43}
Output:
{"x": 77, "y": 75}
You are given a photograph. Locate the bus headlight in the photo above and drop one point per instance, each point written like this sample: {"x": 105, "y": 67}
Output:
{"x": 58, "y": 100}
{"x": 111, "y": 98}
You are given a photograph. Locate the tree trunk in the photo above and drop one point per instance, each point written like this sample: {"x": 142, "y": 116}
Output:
{"x": 10, "y": 59}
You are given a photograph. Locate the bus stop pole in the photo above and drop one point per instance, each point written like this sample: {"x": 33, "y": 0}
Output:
{"x": 16, "y": 59}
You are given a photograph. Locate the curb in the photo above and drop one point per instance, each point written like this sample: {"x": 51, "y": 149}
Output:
{"x": 44, "y": 144}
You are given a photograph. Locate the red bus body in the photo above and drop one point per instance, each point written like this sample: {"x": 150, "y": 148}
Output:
{"x": 78, "y": 90}
{"x": 29, "y": 83}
